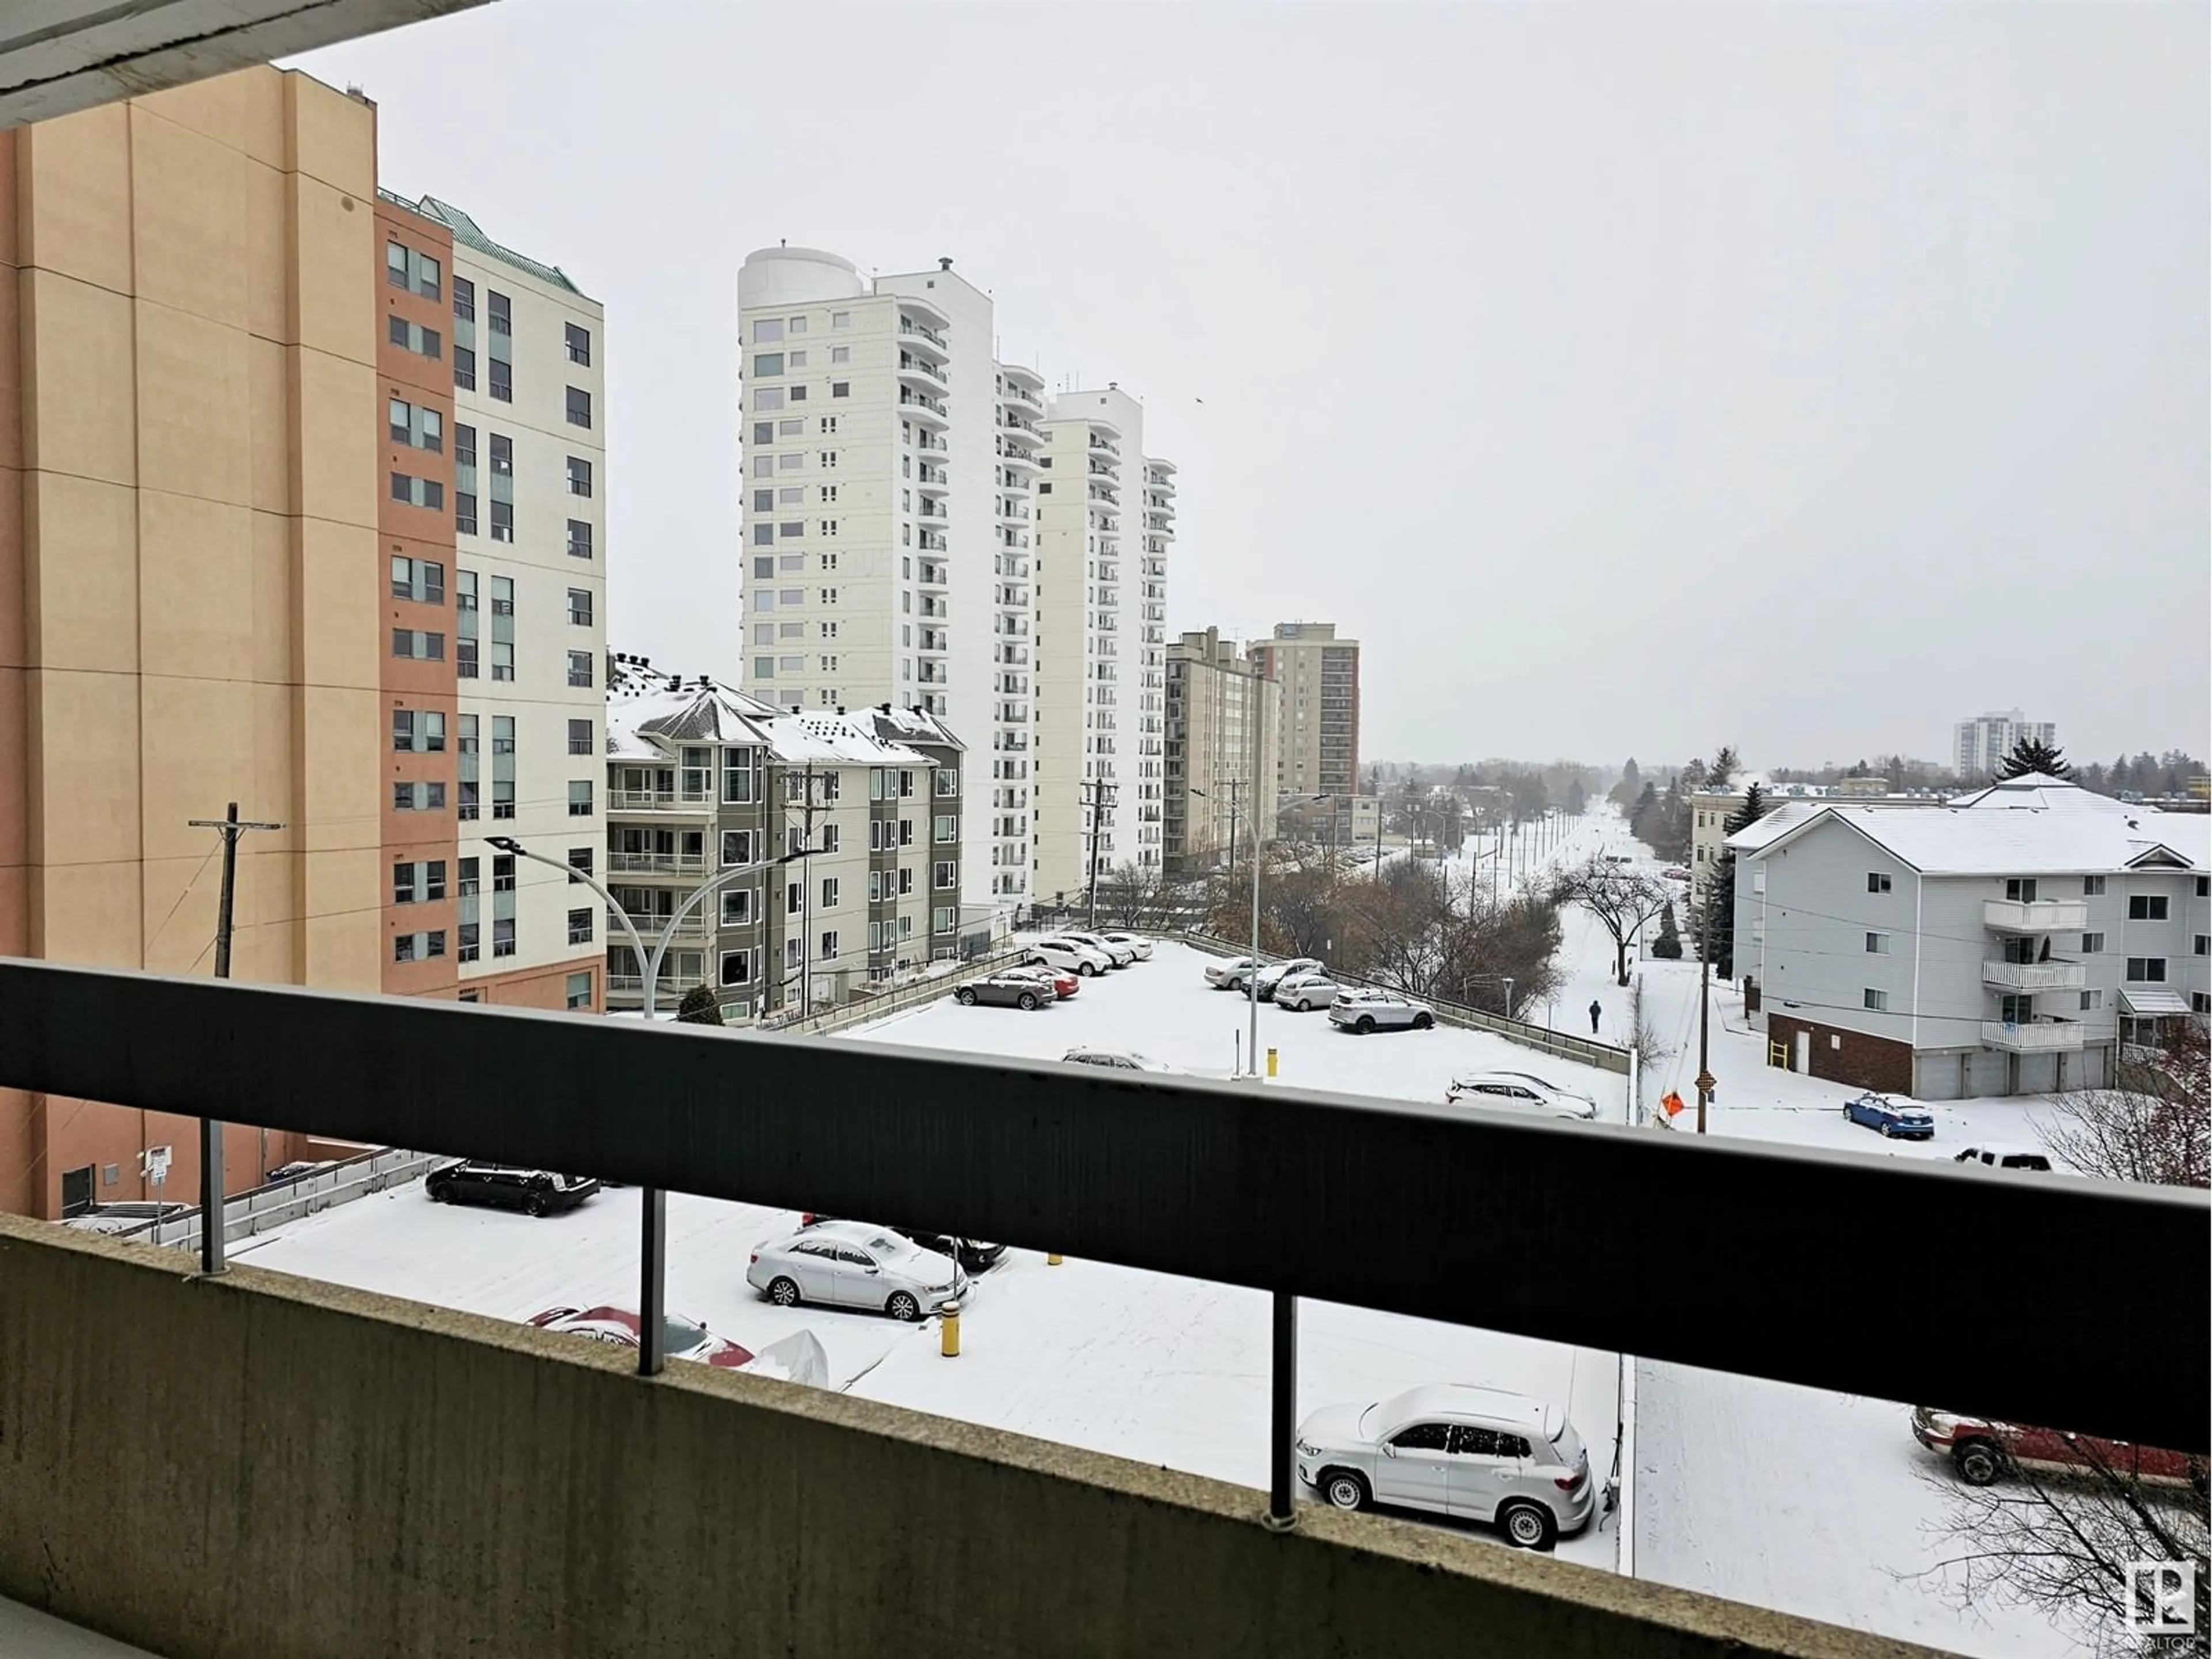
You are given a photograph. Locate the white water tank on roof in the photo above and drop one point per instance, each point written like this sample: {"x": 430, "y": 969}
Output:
{"x": 797, "y": 276}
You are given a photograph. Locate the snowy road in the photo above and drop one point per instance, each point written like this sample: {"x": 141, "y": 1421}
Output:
{"x": 1814, "y": 1503}
{"x": 1164, "y": 1369}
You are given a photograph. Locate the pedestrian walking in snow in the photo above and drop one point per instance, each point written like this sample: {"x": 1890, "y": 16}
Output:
{"x": 1595, "y": 1011}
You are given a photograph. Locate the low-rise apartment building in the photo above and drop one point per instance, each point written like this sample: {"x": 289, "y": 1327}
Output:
{"x": 846, "y": 826}
{"x": 2007, "y": 943}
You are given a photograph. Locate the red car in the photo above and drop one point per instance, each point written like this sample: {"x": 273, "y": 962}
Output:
{"x": 1064, "y": 984}
{"x": 685, "y": 1339}
{"x": 1982, "y": 1450}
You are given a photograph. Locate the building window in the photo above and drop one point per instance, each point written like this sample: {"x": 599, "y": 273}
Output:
{"x": 948, "y": 782}
{"x": 768, "y": 397}
{"x": 580, "y": 926}
{"x": 421, "y": 644}
{"x": 2092, "y": 943}
{"x": 794, "y": 898}
{"x": 464, "y": 511}
{"x": 1877, "y": 944}
{"x": 579, "y": 606}
{"x": 579, "y": 737}
{"x": 2091, "y": 1000}
{"x": 501, "y": 312}
{"x": 464, "y": 368}
{"x": 413, "y": 337}
{"x": 830, "y": 946}
{"x": 737, "y": 848}
{"x": 502, "y": 388}
{"x": 768, "y": 329}
{"x": 580, "y": 343}
{"x": 2021, "y": 889}
{"x": 1877, "y": 882}
{"x": 737, "y": 907}
{"x": 737, "y": 968}
{"x": 502, "y": 521}
{"x": 422, "y": 580}
{"x": 2200, "y": 944}
{"x": 404, "y": 267}
{"x": 579, "y": 858}
{"x": 464, "y": 300}
{"x": 2146, "y": 907}
{"x": 946, "y": 873}
{"x": 2147, "y": 971}
{"x": 579, "y": 407}
{"x": 580, "y": 540}
{"x": 502, "y": 873}
{"x": 418, "y": 947}
{"x": 2092, "y": 886}
{"x": 418, "y": 797}
{"x": 1877, "y": 1000}
{"x": 948, "y": 829}
{"x": 418, "y": 730}
{"x": 503, "y": 936}
{"x": 464, "y": 660}
{"x": 417, "y": 492}
{"x": 415, "y": 426}
{"x": 580, "y": 476}
{"x": 905, "y": 876}
{"x": 2200, "y": 1002}
{"x": 831, "y": 888}
{"x": 579, "y": 990}
{"x": 579, "y": 668}
{"x": 580, "y": 797}
{"x": 940, "y": 919}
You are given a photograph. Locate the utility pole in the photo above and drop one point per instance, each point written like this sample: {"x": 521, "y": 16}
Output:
{"x": 231, "y": 827}
{"x": 1705, "y": 1016}
{"x": 1099, "y": 792}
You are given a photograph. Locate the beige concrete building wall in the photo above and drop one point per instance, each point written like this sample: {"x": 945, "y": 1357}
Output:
{"x": 198, "y": 565}
{"x": 1223, "y": 720}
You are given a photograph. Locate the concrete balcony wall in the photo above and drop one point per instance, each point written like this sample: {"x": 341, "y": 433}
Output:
{"x": 336, "y": 1475}
{"x": 2034, "y": 916}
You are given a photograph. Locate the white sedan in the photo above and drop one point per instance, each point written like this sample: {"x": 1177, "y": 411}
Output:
{"x": 1520, "y": 1092}
{"x": 1138, "y": 943}
{"x": 851, "y": 1264}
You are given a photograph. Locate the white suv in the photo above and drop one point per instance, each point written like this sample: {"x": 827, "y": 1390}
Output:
{"x": 1379, "y": 1011}
{"x": 1069, "y": 955}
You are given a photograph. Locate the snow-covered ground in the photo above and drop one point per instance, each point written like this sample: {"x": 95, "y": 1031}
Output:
{"x": 1145, "y": 1365}
{"x": 1789, "y": 1498}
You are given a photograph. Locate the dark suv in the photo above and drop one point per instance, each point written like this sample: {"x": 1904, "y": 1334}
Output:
{"x": 535, "y": 1192}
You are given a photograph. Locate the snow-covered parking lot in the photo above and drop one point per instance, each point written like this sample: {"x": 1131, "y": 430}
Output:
{"x": 1145, "y": 1365}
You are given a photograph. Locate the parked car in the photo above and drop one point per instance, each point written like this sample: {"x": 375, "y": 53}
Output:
{"x": 1232, "y": 974}
{"x": 1677, "y": 873}
{"x": 682, "y": 1338}
{"x": 1379, "y": 1011}
{"x": 1906, "y": 1122}
{"x": 973, "y": 1255}
{"x": 297, "y": 1168}
{"x": 1070, "y": 955}
{"x": 1451, "y": 1449}
{"x": 1138, "y": 943}
{"x": 1006, "y": 991}
{"x": 1983, "y": 1451}
{"x": 1995, "y": 1155}
{"x": 1520, "y": 1092}
{"x": 499, "y": 1187}
{"x": 1301, "y": 992}
{"x": 1275, "y": 973}
{"x": 850, "y": 1264}
{"x": 1063, "y": 983}
{"x": 1126, "y": 1060}
{"x": 1119, "y": 955}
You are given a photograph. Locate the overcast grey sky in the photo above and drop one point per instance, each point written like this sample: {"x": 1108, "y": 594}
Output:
{"x": 1629, "y": 381}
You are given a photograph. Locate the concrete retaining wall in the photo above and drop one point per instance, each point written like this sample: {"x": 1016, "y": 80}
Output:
{"x": 326, "y": 1474}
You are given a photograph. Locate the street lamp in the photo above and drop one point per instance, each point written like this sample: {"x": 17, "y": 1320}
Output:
{"x": 653, "y": 1202}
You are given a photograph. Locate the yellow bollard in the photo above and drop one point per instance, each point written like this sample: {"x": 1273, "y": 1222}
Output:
{"x": 1271, "y": 1062}
{"x": 1053, "y": 1261}
{"x": 948, "y": 1331}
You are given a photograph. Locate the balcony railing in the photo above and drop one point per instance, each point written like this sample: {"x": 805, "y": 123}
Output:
{"x": 657, "y": 864}
{"x": 692, "y": 929}
{"x": 2034, "y": 975}
{"x": 2034, "y": 916}
{"x": 1170, "y": 1174}
{"x": 657, "y": 800}
{"x": 2039, "y": 1036}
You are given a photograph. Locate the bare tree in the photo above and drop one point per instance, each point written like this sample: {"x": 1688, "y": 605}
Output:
{"x": 1483, "y": 946}
{"x": 2068, "y": 1545}
{"x": 1650, "y": 1048}
{"x": 2155, "y": 1125}
{"x": 1620, "y": 899}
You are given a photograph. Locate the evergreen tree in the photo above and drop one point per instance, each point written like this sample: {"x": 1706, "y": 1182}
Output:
{"x": 1668, "y": 945}
{"x": 1726, "y": 764}
{"x": 1575, "y": 799}
{"x": 2029, "y": 756}
{"x": 699, "y": 1007}
{"x": 1720, "y": 892}
{"x": 1644, "y": 803}
{"x": 1629, "y": 774}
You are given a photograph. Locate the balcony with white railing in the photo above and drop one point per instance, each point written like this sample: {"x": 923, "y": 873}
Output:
{"x": 2037, "y": 1036}
{"x": 2035, "y": 915}
{"x": 2059, "y": 976}
{"x": 919, "y": 335}
{"x": 657, "y": 800}
{"x": 692, "y": 930}
{"x": 923, "y": 408}
{"x": 657, "y": 864}
{"x": 921, "y": 375}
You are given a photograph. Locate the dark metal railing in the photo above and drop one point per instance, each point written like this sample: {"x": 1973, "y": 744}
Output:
{"x": 1907, "y": 1281}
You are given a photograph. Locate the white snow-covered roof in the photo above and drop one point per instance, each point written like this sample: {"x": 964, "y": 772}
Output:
{"x": 831, "y": 740}
{"x": 643, "y": 707}
{"x": 1783, "y": 819}
{"x": 2032, "y": 826}
{"x": 898, "y": 725}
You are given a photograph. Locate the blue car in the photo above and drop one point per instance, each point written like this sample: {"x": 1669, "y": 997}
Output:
{"x": 1874, "y": 1111}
